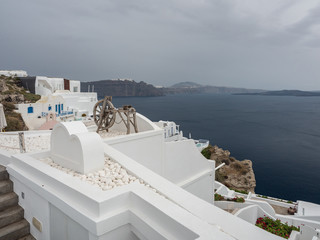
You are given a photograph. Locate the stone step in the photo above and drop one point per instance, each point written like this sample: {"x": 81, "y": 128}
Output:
{"x": 8, "y": 200}
{"x": 3, "y": 173}
{"x": 11, "y": 215}
{"x": 28, "y": 237}
{"x": 15, "y": 230}
{"x": 235, "y": 211}
{"x": 6, "y": 186}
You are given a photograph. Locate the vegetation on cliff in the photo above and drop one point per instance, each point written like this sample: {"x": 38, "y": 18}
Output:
{"x": 12, "y": 92}
{"x": 235, "y": 174}
{"x": 14, "y": 119}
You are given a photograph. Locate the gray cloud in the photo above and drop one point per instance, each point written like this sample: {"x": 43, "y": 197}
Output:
{"x": 271, "y": 44}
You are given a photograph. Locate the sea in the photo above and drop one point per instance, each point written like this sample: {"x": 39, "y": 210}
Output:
{"x": 279, "y": 134}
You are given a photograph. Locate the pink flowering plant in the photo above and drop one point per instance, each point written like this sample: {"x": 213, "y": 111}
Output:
{"x": 276, "y": 227}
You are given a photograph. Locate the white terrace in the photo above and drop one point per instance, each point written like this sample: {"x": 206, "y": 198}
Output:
{"x": 134, "y": 186}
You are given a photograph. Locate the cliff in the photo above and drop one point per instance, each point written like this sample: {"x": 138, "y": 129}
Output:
{"x": 235, "y": 174}
{"x": 12, "y": 92}
{"x": 122, "y": 88}
{"x": 191, "y": 87}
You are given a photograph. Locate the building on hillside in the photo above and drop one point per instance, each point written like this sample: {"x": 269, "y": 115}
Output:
{"x": 46, "y": 85}
{"x": 13, "y": 73}
{"x": 59, "y": 96}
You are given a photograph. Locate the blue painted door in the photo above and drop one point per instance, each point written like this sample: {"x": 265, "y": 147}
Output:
{"x": 30, "y": 109}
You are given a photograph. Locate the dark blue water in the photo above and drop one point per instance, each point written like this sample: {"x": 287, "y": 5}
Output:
{"x": 281, "y": 135}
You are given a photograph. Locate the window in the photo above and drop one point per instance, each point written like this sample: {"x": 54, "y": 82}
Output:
{"x": 30, "y": 109}
{"x": 49, "y": 108}
{"x": 61, "y": 107}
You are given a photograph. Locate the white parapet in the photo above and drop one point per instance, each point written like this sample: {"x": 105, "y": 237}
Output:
{"x": 72, "y": 146}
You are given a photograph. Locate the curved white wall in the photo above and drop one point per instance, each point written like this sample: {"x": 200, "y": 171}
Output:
{"x": 143, "y": 123}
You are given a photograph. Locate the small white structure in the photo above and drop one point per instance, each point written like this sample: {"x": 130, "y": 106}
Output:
{"x": 13, "y": 73}
{"x": 72, "y": 146}
{"x": 170, "y": 130}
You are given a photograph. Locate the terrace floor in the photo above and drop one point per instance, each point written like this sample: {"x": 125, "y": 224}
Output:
{"x": 280, "y": 210}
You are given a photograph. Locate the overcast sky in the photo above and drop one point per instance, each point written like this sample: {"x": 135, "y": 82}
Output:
{"x": 268, "y": 44}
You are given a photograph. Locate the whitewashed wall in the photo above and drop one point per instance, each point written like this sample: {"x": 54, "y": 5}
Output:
{"x": 185, "y": 166}
{"x": 34, "y": 205}
{"x": 81, "y": 102}
{"x": 75, "y": 86}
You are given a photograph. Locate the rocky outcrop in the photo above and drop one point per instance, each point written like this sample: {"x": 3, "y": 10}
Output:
{"x": 234, "y": 174}
{"x": 9, "y": 91}
{"x": 122, "y": 88}
{"x": 12, "y": 92}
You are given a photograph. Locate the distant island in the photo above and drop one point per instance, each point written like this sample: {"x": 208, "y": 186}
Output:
{"x": 296, "y": 93}
{"x": 191, "y": 87}
{"x": 131, "y": 88}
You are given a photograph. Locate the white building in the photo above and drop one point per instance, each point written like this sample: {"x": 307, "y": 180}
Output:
{"x": 170, "y": 130}
{"x": 59, "y": 96}
{"x": 46, "y": 85}
{"x": 13, "y": 73}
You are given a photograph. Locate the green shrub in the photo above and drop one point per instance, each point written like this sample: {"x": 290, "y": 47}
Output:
{"x": 8, "y": 106}
{"x": 30, "y": 97}
{"x": 206, "y": 152}
{"x": 276, "y": 227}
{"x": 237, "y": 199}
{"x": 14, "y": 124}
{"x": 240, "y": 191}
{"x": 218, "y": 197}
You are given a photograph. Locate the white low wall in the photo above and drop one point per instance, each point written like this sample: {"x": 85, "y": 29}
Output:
{"x": 185, "y": 166}
{"x": 169, "y": 159}
{"x": 35, "y": 206}
{"x": 252, "y": 213}
{"x": 145, "y": 147}
{"x": 298, "y": 222}
{"x": 143, "y": 124}
{"x": 264, "y": 205}
{"x": 275, "y": 202}
{"x": 230, "y": 205}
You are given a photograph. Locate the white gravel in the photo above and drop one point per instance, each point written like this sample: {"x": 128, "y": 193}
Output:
{"x": 105, "y": 134}
{"x": 111, "y": 176}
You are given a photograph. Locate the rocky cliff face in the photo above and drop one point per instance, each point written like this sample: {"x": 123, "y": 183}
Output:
{"x": 9, "y": 91}
{"x": 122, "y": 88}
{"x": 12, "y": 92}
{"x": 234, "y": 174}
